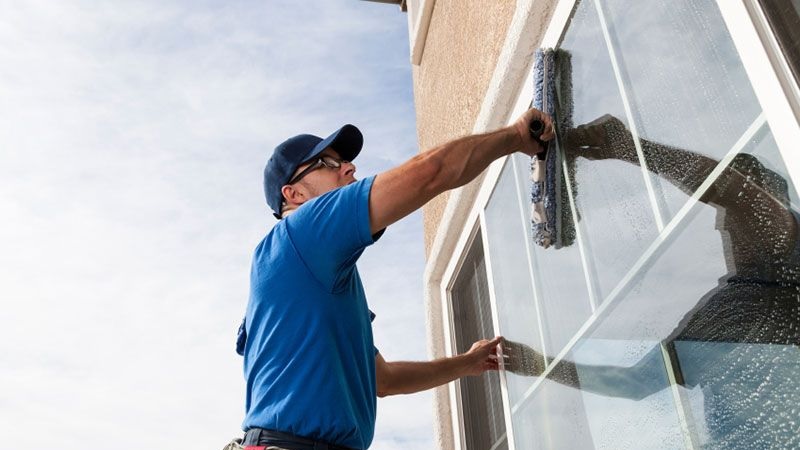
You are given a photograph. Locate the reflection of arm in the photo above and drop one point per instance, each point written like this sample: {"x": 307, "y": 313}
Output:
{"x": 753, "y": 197}
{"x": 743, "y": 185}
{"x": 644, "y": 378}
{"x": 636, "y": 382}
{"x": 607, "y": 138}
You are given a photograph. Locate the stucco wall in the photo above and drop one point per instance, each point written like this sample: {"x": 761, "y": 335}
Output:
{"x": 461, "y": 50}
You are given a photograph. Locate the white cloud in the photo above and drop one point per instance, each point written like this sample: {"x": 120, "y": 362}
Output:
{"x": 132, "y": 139}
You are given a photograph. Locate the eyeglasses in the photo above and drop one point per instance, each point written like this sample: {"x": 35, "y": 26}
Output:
{"x": 323, "y": 161}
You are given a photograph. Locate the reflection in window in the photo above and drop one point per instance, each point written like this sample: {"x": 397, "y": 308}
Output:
{"x": 481, "y": 404}
{"x": 677, "y": 59}
{"x": 730, "y": 323}
{"x": 615, "y": 213}
{"x": 693, "y": 339}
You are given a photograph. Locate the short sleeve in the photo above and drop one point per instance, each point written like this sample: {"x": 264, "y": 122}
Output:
{"x": 331, "y": 231}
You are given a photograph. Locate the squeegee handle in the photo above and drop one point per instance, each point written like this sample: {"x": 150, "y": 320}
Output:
{"x": 536, "y": 129}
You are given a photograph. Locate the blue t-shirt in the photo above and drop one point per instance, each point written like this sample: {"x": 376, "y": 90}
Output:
{"x": 309, "y": 358}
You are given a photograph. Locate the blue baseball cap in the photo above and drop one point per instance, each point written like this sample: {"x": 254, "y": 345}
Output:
{"x": 293, "y": 152}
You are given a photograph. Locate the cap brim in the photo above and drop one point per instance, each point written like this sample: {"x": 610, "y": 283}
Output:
{"x": 346, "y": 141}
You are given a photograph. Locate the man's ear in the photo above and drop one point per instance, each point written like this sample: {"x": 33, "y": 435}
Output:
{"x": 292, "y": 195}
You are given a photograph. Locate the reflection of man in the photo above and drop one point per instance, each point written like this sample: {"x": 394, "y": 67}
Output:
{"x": 740, "y": 342}
{"x": 311, "y": 368}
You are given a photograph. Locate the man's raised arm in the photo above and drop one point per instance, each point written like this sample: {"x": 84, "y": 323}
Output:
{"x": 404, "y": 189}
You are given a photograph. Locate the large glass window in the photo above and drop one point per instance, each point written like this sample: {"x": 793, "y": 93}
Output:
{"x": 673, "y": 318}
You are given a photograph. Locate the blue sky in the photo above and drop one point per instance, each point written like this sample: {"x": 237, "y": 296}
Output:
{"x": 132, "y": 140}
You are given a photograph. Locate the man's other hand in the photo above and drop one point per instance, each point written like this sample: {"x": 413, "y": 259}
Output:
{"x": 482, "y": 356}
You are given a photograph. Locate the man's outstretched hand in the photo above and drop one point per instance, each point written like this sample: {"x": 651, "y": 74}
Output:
{"x": 482, "y": 356}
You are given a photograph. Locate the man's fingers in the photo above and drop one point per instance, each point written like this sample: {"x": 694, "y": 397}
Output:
{"x": 531, "y": 146}
{"x": 492, "y": 345}
{"x": 549, "y": 131}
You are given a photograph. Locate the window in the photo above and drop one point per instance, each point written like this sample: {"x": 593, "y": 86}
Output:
{"x": 673, "y": 319}
{"x": 480, "y": 403}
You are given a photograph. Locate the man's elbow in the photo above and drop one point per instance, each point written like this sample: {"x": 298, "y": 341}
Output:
{"x": 384, "y": 380}
{"x": 384, "y": 389}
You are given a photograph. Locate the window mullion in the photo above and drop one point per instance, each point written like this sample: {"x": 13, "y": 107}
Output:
{"x": 629, "y": 114}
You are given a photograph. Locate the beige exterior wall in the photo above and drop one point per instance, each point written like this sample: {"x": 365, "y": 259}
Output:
{"x": 460, "y": 54}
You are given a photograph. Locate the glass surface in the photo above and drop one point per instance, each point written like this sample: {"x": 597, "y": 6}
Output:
{"x": 558, "y": 275}
{"x": 721, "y": 293}
{"x": 615, "y": 216}
{"x": 698, "y": 345}
{"x": 685, "y": 82}
{"x": 555, "y": 418}
{"x": 516, "y": 306}
{"x": 747, "y": 394}
{"x": 582, "y": 407}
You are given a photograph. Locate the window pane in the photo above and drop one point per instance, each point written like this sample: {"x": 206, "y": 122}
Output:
{"x": 685, "y": 82}
{"x": 615, "y": 215}
{"x": 516, "y": 306}
{"x": 481, "y": 402}
{"x": 558, "y": 274}
{"x": 586, "y": 408}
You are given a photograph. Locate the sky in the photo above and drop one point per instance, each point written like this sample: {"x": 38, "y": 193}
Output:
{"x": 133, "y": 136}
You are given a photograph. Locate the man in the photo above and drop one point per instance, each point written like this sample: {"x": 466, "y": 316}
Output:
{"x": 312, "y": 371}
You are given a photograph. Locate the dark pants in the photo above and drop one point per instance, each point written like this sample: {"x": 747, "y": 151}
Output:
{"x": 260, "y": 436}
